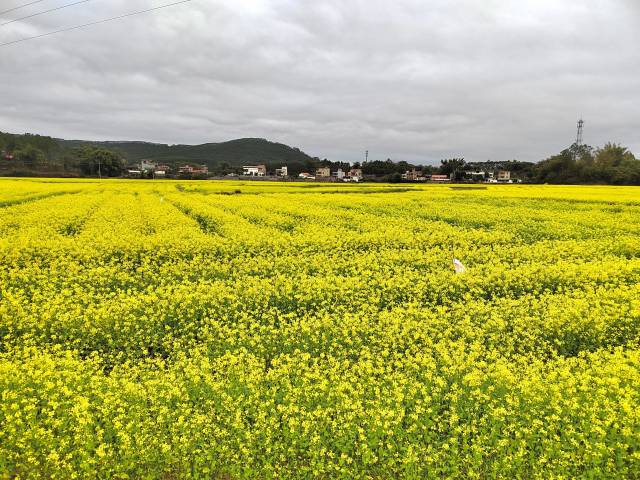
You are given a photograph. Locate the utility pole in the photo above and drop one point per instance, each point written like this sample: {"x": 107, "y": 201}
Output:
{"x": 99, "y": 168}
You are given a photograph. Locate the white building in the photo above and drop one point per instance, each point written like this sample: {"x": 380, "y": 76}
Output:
{"x": 254, "y": 170}
{"x": 147, "y": 165}
{"x": 355, "y": 174}
{"x": 282, "y": 172}
{"x": 480, "y": 175}
{"x": 504, "y": 176}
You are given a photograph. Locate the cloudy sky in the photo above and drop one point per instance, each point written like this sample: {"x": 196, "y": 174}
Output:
{"x": 415, "y": 80}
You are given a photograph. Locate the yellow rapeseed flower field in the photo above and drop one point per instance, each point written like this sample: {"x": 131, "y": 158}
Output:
{"x": 255, "y": 330}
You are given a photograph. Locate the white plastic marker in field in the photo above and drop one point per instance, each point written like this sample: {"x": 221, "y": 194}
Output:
{"x": 458, "y": 266}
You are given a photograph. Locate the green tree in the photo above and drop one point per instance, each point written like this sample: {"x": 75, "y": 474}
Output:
{"x": 99, "y": 161}
{"x": 611, "y": 164}
{"x": 30, "y": 156}
{"x": 613, "y": 155}
{"x": 561, "y": 168}
{"x": 454, "y": 167}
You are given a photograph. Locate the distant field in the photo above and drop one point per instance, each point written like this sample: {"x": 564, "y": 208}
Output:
{"x": 237, "y": 330}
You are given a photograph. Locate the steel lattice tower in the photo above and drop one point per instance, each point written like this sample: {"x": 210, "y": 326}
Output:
{"x": 580, "y": 131}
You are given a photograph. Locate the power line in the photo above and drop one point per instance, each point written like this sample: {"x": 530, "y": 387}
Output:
{"x": 94, "y": 23}
{"x": 21, "y": 6}
{"x": 44, "y": 11}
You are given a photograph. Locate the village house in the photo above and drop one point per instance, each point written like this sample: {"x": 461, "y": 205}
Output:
{"x": 148, "y": 165}
{"x": 323, "y": 172}
{"x": 161, "y": 170}
{"x": 134, "y": 171}
{"x": 254, "y": 170}
{"x": 282, "y": 172}
{"x": 306, "y": 176}
{"x": 504, "y": 176}
{"x": 191, "y": 170}
{"x": 478, "y": 176}
{"x": 412, "y": 175}
{"x": 440, "y": 178}
{"x": 355, "y": 174}
{"x": 339, "y": 174}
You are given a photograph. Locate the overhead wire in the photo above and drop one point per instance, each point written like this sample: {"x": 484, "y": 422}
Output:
{"x": 44, "y": 11}
{"x": 84, "y": 25}
{"x": 20, "y": 6}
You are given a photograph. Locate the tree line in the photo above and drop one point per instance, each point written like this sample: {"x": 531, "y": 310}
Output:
{"x": 41, "y": 155}
{"x": 579, "y": 164}
{"x": 610, "y": 164}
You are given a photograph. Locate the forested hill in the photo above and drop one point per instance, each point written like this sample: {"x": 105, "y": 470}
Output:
{"x": 234, "y": 153}
{"x": 29, "y": 154}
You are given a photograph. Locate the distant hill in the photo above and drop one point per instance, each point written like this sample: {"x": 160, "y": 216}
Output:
{"x": 31, "y": 154}
{"x": 234, "y": 153}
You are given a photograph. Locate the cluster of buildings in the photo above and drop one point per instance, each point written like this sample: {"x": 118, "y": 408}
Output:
{"x": 339, "y": 175}
{"x": 149, "y": 168}
{"x": 257, "y": 171}
{"x": 501, "y": 176}
{"x": 419, "y": 176}
{"x": 193, "y": 170}
{"x": 322, "y": 173}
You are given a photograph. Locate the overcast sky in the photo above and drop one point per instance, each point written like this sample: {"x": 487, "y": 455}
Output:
{"x": 415, "y": 80}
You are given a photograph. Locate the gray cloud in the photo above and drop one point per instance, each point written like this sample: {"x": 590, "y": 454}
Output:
{"x": 409, "y": 79}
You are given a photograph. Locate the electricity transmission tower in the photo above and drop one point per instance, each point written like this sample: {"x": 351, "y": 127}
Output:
{"x": 580, "y": 132}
